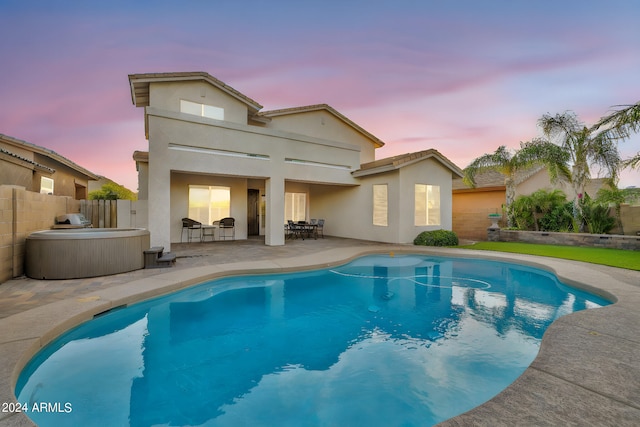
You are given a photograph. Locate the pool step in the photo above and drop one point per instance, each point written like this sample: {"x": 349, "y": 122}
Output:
{"x": 155, "y": 258}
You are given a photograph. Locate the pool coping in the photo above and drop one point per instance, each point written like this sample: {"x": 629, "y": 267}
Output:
{"x": 587, "y": 370}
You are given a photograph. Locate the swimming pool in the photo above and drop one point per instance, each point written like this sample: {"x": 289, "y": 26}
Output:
{"x": 383, "y": 340}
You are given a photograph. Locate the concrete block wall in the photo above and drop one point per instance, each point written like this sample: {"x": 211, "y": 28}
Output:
{"x": 21, "y": 213}
{"x": 473, "y": 224}
{"x": 630, "y": 216}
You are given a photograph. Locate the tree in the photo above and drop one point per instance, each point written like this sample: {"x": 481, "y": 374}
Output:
{"x": 586, "y": 146}
{"x": 537, "y": 151}
{"x": 620, "y": 124}
{"x": 112, "y": 191}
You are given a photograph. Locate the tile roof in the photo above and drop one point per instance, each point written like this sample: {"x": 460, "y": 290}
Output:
{"x": 397, "y": 162}
{"x": 36, "y": 165}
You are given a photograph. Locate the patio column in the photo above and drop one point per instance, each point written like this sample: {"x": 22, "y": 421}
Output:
{"x": 274, "y": 192}
{"x": 159, "y": 206}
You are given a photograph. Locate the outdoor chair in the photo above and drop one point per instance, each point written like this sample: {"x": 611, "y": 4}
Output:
{"x": 227, "y": 224}
{"x": 320, "y": 228}
{"x": 191, "y": 226}
{"x": 292, "y": 229}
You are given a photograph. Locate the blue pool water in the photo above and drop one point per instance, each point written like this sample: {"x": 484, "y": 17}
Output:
{"x": 382, "y": 341}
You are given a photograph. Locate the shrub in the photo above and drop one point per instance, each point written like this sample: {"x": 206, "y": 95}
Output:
{"x": 436, "y": 238}
{"x": 559, "y": 219}
{"x": 596, "y": 216}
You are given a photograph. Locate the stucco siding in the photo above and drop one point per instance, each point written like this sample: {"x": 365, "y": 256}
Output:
{"x": 322, "y": 124}
{"x": 349, "y": 210}
{"x": 16, "y": 174}
{"x": 167, "y": 96}
{"x": 429, "y": 172}
{"x": 218, "y": 148}
{"x": 65, "y": 179}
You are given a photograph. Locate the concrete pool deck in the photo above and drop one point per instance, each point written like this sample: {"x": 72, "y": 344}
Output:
{"x": 586, "y": 373}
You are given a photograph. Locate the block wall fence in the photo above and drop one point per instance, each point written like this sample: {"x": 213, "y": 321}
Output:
{"x": 21, "y": 213}
{"x": 472, "y": 224}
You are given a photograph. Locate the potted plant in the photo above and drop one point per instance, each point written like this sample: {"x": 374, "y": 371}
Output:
{"x": 495, "y": 217}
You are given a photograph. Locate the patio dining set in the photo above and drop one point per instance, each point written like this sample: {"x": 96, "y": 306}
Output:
{"x": 315, "y": 227}
{"x": 225, "y": 229}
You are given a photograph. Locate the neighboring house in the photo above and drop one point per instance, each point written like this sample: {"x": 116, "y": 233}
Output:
{"x": 41, "y": 170}
{"x": 213, "y": 153}
{"x": 472, "y": 205}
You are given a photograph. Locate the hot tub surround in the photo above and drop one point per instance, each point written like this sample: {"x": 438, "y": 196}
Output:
{"x": 86, "y": 252}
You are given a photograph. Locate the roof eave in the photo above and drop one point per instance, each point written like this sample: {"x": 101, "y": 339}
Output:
{"x": 50, "y": 154}
{"x": 139, "y": 86}
{"x": 317, "y": 107}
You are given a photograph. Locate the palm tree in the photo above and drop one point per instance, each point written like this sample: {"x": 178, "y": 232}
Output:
{"x": 585, "y": 146}
{"x": 620, "y": 124}
{"x": 537, "y": 151}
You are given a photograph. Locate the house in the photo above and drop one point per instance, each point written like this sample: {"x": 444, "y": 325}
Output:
{"x": 472, "y": 205}
{"x": 213, "y": 153}
{"x": 41, "y": 170}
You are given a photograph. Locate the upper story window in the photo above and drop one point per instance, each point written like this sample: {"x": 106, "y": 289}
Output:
{"x": 46, "y": 185}
{"x": 427, "y": 204}
{"x": 201, "y": 110}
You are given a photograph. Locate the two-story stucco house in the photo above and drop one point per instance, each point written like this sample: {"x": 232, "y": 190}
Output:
{"x": 213, "y": 153}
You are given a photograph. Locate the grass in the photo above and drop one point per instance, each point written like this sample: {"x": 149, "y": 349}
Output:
{"x": 612, "y": 257}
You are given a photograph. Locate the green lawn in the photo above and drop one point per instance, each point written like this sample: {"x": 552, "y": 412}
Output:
{"x": 612, "y": 257}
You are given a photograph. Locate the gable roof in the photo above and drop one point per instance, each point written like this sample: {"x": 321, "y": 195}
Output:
{"x": 397, "y": 162}
{"x": 139, "y": 84}
{"x": 45, "y": 152}
{"x": 318, "y": 107}
{"x": 494, "y": 180}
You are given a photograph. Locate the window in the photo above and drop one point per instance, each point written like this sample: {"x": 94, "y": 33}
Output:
{"x": 202, "y": 110}
{"x": 380, "y": 205}
{"x": 208, "y": 203}
{"x": 295, "y": 206}
{"x": 427, "y": 204}
{"x": 46, "y": 185}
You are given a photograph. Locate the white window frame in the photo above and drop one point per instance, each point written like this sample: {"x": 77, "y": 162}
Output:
{"x": 210, "y": 212}
{"x": 295, "y": 206}
{"x": 202, "y": 110}
{"x": 46, "y": 185}
{"x": 428, "y": 205}
{"x": 380, "y": 202}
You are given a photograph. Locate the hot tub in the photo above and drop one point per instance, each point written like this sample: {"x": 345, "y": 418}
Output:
{"x": 84, "y": 252}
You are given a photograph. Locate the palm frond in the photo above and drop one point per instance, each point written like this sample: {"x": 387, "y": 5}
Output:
{"x": 621, "y": 123}
{"x": 498, "y": 160}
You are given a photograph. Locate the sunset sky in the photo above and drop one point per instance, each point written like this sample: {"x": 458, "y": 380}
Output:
{"x": 460, "y": 76}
